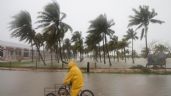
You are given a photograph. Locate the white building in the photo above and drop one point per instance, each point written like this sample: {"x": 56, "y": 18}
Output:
{"x": 14, "y": 51}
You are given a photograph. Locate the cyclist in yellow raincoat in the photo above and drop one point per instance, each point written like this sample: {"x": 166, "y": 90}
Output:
{"x": 75, "y": 77}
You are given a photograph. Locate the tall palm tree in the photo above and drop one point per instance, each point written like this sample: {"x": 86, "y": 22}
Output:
{"x": 142, "y": 18}
{"x": 51, "y": 19}
{"x": 102, "y": 27}
{"x": 21, "y": 28}
{"x": 131, "y": 34}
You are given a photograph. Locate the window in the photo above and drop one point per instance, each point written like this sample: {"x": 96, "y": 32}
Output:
{"x": 26, "y": 53}
{"x": 1, "y": 51}
{"x": 18, "y": 52}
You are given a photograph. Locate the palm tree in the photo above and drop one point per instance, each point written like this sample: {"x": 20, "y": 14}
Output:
{"x": 122, "y": 45}
{"x": 92, "y": 41}
{"x": 131, "y": 34}
{"x": 142, "y": 18}
{"x": 114, "y": 44}
{"x": 101, "y": 26}
{"x": 78, "y": 40}
{"x": 51, "y": 20}
{"x": 67, "y": 47}
{"x": 21, "y": 28}
{"x": 161, "y": 48}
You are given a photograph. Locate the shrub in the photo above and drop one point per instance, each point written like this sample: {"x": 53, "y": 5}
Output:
{"x": 142, "y": 68}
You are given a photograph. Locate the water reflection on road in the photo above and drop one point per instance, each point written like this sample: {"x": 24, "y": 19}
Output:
{"x": 27, "y": 83}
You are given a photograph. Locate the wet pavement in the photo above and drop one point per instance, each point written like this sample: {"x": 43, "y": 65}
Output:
{"x": 32, "y": 83}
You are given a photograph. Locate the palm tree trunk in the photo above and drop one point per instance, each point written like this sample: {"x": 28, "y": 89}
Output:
{"x": 132, "y": 53}
{"x": 38, "y": 49}
{"x": 100, "y": 53}
{"x": 122, "y": 53}
{"x": 104, "y": 52}
{"x": 68, "y": 53}
{"x": 60, "y": 52}
{"x": 57, "y": 57}
{"x": 32, "y": 51}
{"x": 114, "y": 55}
{"x": 125, "y": 54}
{"x": 80, "y": 53}
{"x": 64, "y": 54}
{"x": 36, "y": 61}
{"x": 147, "y": 51}
{"x": 107, "y": 51}
{"x": 56, "y": 52}
{"x": 117, "y": 54}
{"x": 51, "y": 58}
{"x": 44, "y": 52}
{"x": 96, "y": 53}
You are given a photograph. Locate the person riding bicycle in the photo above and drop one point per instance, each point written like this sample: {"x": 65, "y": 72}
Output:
{"x": 74, "y": 77}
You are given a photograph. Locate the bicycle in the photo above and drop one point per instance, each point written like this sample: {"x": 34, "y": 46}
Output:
{"x": 64, "y": 90}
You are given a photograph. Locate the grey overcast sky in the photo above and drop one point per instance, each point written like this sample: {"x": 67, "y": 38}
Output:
{"x": 80, "y": 12}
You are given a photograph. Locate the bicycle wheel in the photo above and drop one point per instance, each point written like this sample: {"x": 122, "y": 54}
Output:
{"x": 86, "y": 93}
{"x": 50, "y": 94}
{"x": 63, "y": 92}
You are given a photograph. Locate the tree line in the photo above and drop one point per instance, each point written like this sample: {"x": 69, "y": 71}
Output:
{"x": 101, "y": 41}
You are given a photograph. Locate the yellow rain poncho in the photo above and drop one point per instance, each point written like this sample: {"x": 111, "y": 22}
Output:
{"x": 74, "y": 77}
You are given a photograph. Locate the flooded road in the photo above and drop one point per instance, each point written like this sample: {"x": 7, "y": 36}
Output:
{"x": 27, "y": 83}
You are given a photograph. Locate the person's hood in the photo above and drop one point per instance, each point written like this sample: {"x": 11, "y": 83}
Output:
{"x": 72, "y": 63}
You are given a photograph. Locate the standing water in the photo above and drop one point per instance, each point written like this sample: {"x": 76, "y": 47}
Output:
{"x": 28, "y": 83}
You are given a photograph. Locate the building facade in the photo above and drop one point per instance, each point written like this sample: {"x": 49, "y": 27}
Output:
{"x": 13, "y": 51}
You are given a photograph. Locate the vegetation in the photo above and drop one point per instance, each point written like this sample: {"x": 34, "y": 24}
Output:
{"x": 156, "y": 47}
{"x": 142, "y": 18}
{"x": 131, "y": 35}
{"x": 78, "y": 43}
{"x": 21, "y": 28}
{"x": 101, "y": 27}
{"x": 142, "y": 68}
{"x": 101, "y": 41}
{"x": 15, "y": 64}
{"x": 51, "y": 20}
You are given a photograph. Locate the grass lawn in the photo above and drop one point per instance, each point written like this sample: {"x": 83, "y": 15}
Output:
{"x": 15, "y": 64}
{"x": 29, "y": 64}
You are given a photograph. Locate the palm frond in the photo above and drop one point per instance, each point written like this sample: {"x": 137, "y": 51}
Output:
{"x": 136, "y": 11}
{"x": 45, "y": 15}
{"x": 66, "y": 26}
{"x": 21, "y": 27}
{"x": 43, "y": 25}
{"x": 156, "y": 21}
{"x": 63, "y": 16}
{"x": 21, "y": 19}
{"x": 143, "y": 17}
{"x": 142, "y": 33}
{"x": 101, "y": 25}
{"x": 139, "y": 27}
